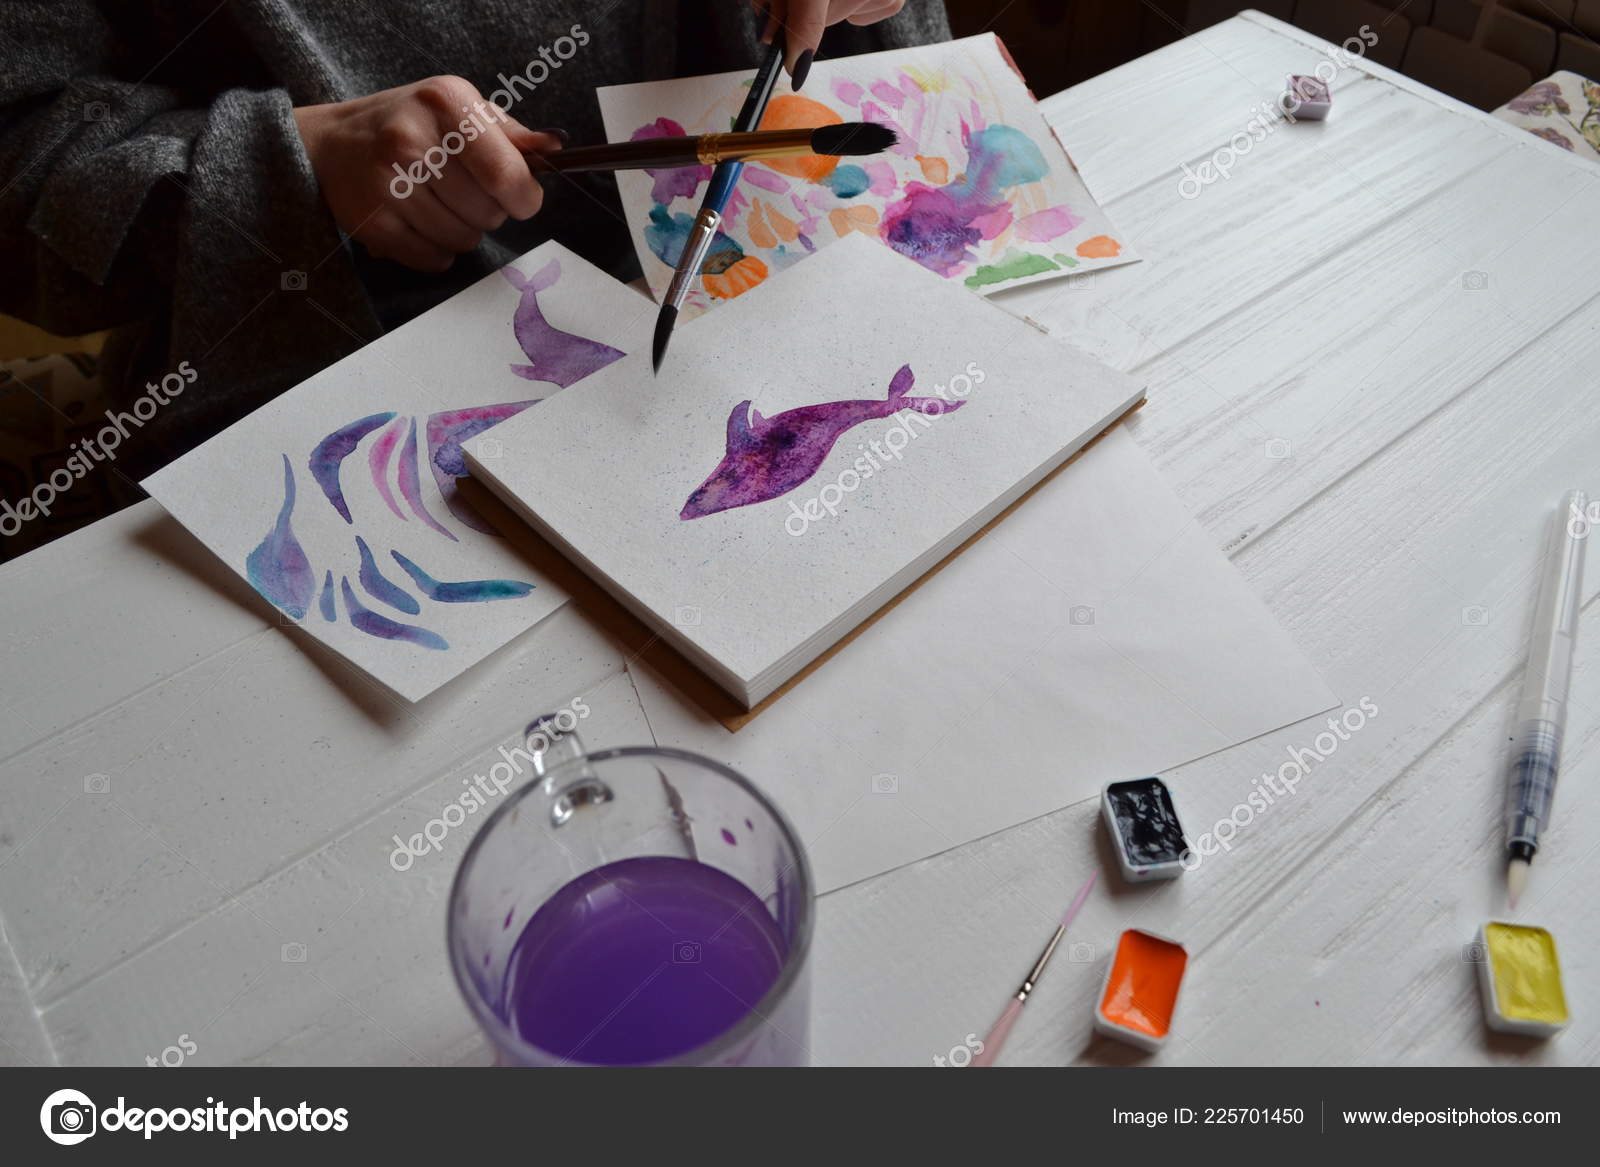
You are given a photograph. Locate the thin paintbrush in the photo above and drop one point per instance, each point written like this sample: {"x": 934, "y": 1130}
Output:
{"x": 995, "y": 1040}
{"x": 849, "y": 138}
{"x": 723, "y": 179}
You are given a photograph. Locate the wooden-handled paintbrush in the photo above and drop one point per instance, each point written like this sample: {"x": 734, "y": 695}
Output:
{"x": 847, "y": 139}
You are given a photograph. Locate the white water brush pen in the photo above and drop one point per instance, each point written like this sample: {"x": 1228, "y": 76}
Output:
{"x": 1542, "y": 715}
{"x": 994, "y": 1041}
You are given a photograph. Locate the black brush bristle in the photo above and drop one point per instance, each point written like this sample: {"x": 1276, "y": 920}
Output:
{"x": 853, "y": 138}
{"x": 665, "y": 322}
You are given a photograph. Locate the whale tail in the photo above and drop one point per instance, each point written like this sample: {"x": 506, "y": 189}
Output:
{"x": 539, "y": 281}
{"x": 898, "y": 400}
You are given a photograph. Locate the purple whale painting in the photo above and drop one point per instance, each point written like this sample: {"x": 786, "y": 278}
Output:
{"x": 769, "y": 457}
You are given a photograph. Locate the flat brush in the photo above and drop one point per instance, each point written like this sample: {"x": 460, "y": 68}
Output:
{"x": 850, "y": 138}
{"x": 994, "y": 1041}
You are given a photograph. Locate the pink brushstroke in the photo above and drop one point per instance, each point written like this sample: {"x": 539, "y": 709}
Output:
{"x": 765, "y": 179}
{"x": 411, "y": 484}
{"x": 888, "y": 94}
{"x": 378, "y": 463}
{"x": 846, "y": 91}
{"x": 996, "y": 221}
{"x": 1047, "y": 224}
{"x": 884, "y": 182}
{"x": 905, "y": 144}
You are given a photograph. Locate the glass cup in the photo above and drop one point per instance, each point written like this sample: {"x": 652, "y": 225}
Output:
{"x": 634, "y": 906}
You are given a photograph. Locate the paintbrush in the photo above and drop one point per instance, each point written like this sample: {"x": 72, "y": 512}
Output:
{"x": 723, "y": 179}
{"x": 848, "y": 138}
{"x": 995, "y": 1040}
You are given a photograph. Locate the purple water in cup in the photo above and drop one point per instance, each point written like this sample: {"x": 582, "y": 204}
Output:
{"x": 635, "y": 907}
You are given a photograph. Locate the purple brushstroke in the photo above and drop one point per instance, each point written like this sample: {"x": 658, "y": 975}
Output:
{"x": 562, "y": 358}
{"x": 768, "y": 457}
{"x": 446, "y": 432}
{"x": 381, "y": 626}
{"x": 278, "y": 567}
{"x": 676, "y": 180}
{"x": 411, "y": 485}
{"x": 936, "y": 225}
{"x": 378, "y": 462}
{"x": 331, "y": 451}
{"x": 329, "y": 613}
{"x": 381, "y": 588}
{"x": 466, "y": 592}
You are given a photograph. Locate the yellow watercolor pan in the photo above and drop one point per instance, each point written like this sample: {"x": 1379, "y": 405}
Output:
{"x": 1520, "y": 976}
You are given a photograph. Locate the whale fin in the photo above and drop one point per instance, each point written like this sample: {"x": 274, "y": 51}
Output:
{"x": 539, "y": 281}
{"x": 902, "y": 381}
{"x": 740, "y": 435}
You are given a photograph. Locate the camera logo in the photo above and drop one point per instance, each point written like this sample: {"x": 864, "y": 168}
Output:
{"x": 68, "y": 1117}
{"x": 686, "y": 952}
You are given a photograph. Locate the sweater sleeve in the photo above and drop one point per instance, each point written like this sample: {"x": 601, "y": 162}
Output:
{"x": 117, "y": 193}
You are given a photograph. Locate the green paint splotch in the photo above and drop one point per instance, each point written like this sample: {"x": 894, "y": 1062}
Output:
{"x": 1013, "y": 265}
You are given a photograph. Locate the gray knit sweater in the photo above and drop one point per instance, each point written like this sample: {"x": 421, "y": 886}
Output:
{"x": 152, "y": 179}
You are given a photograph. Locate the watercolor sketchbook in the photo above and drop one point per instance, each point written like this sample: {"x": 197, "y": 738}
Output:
{"x": 803, "y": 457}
{"x": 978, "y": 190}
{"x": 337, "y": 501}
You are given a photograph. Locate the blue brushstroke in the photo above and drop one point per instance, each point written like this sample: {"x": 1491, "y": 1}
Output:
{"x": 380, "y": 588}
{"x": 466, "y": 592}
{"x": 331, "y": 451}
{"x": 278, "y": 567}
{"x": 847, "y": 181}
{"x": 328, "y": 612}
{"x": 381, "y": 626}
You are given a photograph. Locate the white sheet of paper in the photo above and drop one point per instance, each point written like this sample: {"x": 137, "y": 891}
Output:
{"x": 803, "y": 456}
{"x": 403, "y": 404}
{"x": 978, "y": 188}
{"x": 1095, "y": 634}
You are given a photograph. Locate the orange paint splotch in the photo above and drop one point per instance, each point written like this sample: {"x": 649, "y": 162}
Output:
{"x": 848, "y": 219}
{"x": 793, "y": 112}
{"x": 1143, "y": 988}
{"x": 1100, "y": 247}
{"x": 736, "y": 279}
{"x": 935, "y": 170}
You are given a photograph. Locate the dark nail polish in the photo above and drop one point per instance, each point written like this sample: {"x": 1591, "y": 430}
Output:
{"x": 802, "y": 66}
{"x": 556, "y": 132}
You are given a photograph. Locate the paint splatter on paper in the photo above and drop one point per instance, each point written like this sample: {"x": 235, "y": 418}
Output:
{"x": 472, "y": 591}
{"x": 373, "y": 624}
{"x": 977, "y": 189}
{"x": 768, "y": 457}
{"x": 329, "y": 454}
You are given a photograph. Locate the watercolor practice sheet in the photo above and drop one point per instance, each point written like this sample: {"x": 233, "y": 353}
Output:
{"x": 337, "y": 501}
{"x": 801, "y": 457}
{"x": 977, "y": 190}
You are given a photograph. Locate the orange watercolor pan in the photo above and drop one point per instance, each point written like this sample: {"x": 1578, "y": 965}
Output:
{"x": 1140, "y": 993}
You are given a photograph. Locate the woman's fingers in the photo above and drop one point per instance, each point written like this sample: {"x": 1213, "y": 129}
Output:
{"x": 387, "y": 236}
{"x": 426, "y": 213}
{"x": 873, "y": 12}
{"x": 473, "y": 205}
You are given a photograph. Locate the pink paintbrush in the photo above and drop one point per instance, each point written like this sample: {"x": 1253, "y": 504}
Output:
{"x": 996, "y": 1038}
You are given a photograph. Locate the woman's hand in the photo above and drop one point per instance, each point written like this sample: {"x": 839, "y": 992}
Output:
{"x": 803, "y": 21}
{"x": 420, "y": 172}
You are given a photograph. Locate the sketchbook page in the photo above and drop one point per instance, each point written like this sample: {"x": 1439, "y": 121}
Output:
{"x": 978, "y": 189}
{"x": 1097, "y": 634}
{"x": 337, "y": 500}
{"x": 800, "y": 451}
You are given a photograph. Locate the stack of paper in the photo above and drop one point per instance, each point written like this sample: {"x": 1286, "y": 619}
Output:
{"x": 804, "y": 456}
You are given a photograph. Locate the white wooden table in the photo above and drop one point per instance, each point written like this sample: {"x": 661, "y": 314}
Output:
{"x": 1373, "y": 354}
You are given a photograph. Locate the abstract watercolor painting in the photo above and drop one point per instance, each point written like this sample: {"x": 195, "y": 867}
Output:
{"x": 337, "y": 501}
{"x": 760, "y": 499}
{"x": 977, "y": 190}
